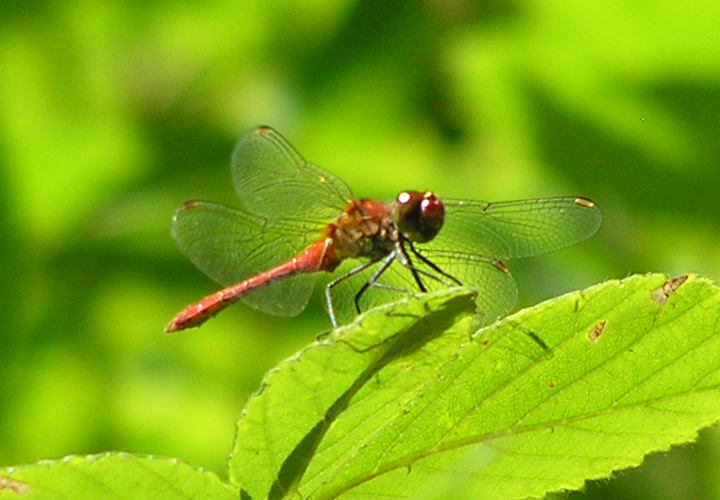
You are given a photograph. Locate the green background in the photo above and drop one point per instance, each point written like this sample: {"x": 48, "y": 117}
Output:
{"x": 113, "y": 113}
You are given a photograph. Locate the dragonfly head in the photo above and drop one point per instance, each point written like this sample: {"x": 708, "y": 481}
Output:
{"x": 419, "y": 216}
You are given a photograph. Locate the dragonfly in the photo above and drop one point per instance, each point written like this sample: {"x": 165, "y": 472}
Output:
{"x": 299, "y": 221}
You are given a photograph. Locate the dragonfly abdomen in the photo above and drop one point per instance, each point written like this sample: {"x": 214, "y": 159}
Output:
{"x": 314, "y": 259}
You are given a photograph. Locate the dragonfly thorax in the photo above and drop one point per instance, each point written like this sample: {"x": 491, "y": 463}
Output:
{"x": 365, "y": 229}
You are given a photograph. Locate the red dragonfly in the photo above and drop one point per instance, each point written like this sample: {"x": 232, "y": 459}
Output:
{"x": 299, "y": 220}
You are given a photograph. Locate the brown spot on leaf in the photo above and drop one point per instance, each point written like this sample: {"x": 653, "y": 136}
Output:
{"x": 665, "y": 291}
{"x": 15, "y": 486}
{"x": 596, "y": 331}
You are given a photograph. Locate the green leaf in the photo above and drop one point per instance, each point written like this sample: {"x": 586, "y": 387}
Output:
{"x": 410, "y": 402}
{"x": 282, "y": 425}
{"x": 112, "y": 476}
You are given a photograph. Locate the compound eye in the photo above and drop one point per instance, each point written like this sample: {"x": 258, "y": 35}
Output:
{"x": 419, "y": 216}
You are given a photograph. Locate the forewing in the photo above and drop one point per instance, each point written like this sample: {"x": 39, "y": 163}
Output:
{"x": 274, "y": 181}
{"x": 230, "y": 246}
{"x": 515, "y": 229}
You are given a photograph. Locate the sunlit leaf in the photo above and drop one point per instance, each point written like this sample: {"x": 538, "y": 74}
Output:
{"x": 112, "y": 476}
{"x": 406, "y": 406}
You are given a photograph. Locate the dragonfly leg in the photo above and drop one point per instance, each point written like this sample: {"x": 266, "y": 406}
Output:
{"x": 433, "y": 266}
{"x": 339, "y": 279}
{"x": 404, "y": 259}
{"x": 373, "y": 279}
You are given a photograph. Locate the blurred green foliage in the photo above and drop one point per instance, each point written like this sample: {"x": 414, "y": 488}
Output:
{"x": 113, "y": 113}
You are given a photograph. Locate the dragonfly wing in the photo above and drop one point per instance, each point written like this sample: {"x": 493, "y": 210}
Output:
{"x": 497, "y": 292}
{"x": 286, "y": 297}
{"x": 230, "y": 246}
{"x": 515, "y": 229}
{"x": 273, "y": 180}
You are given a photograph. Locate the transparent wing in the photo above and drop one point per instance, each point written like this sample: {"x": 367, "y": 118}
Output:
{"x": 230, "y": 245}
{"x": 473, "y": 238}
{"x": 272, "y": 180}
{"x": 497, "y": 292}
{"x": 515, "y": 229}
